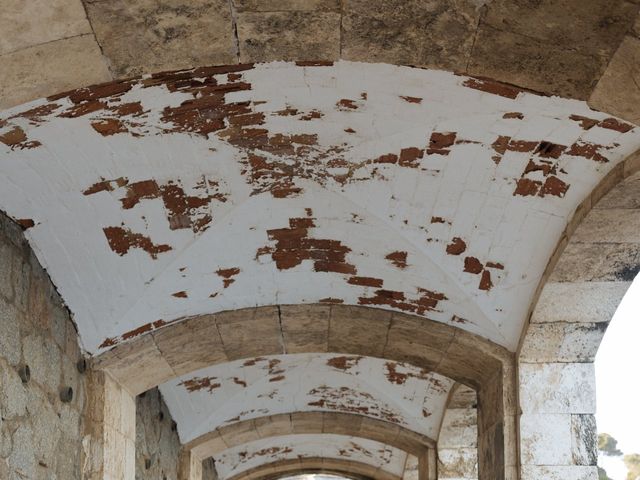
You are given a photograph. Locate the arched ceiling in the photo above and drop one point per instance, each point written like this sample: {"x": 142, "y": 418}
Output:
{"x": 220, "y": 188}
{"x": 253, "y": 454}
{"x": 400, "y": 394}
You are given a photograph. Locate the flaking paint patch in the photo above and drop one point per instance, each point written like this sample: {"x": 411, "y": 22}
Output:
{"x": 121, "y": 240}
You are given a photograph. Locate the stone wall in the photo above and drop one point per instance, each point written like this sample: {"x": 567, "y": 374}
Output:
{"x": 157, "y": 442}
{"x": 42, "y": 392}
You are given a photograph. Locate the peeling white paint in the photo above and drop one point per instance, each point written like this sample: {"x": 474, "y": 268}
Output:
{"x": 252, "y": 454}
{"x": 236, "y": 391}
{"x": 382, "y": 208}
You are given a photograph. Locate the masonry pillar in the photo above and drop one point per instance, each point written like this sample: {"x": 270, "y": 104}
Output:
{"x": 558, "y": 434}
{"x": 190, "y": 467}
{"x": 110, "y": 437}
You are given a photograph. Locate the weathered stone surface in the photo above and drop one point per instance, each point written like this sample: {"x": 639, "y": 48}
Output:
{"x": 267, "y": 36}
{"x": 598, "y": 262}
{"x": 305, "y": 329}
{"x": 286, "y": 5}
{"x": 150, "y": 36}
{"x": 568, "y": 388}
{"x": 527, "y": 44}
{"x": 459, "y": 428}
{"x": 562, "y": 342}
{"x": 535, "y": 472}
{"x": 52, "y": 67}
{"x": 584, "y": 441}
{"x": 27, "y": 23}
{"x": 591, "y": 302}
{"x": 546, "y": 439}
{"x": 431, "y": 34}
{"x": 617, "y": 91}
{"x": 459, "y": 463}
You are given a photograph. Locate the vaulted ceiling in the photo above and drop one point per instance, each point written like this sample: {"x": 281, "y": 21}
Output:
{"x": 439, "y": 190}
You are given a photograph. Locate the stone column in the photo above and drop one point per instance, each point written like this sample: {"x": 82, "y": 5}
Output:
{"x": 558, "y": 434}
{"x": 190, "y": 467}
{"x": 110, "y": 438}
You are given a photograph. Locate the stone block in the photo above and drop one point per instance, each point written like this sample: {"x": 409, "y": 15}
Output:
{"x": 356, "y": 331}
{"x": 590, "y": 302}
{"x": 250, "y": 333}
{"x": 562, "y": 342}
{"x": 459, "y": 428}
{"x": 617, "y": 91}
{"x": 10, "y": 320}
{"x": 584, "y": 440}
{"x": 410, "y": 32}
{"x": 545, "y": 439}
{"x": 458, "y": 463}
{"x": 557, "y": 388}
{"x": 49, "y": 68}
{"x": 148, "y": 36}
{"x": 304, "y": 328}
{"x": 28, "y": 23}
{"x": 286, "y": 5}
{"x": 290, "y": 35}
{"x": 538, "y": 472}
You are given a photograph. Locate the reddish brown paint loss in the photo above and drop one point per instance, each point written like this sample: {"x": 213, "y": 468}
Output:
{"x": 121, "y": 240}
{"x": 491, "y": 86}
{"x": 439, "y": 143}
{"x": 343, "y": 362}
{"x": 399, "y": 259}
{"x": 457, "y": 246}
{"x": 197, "y": 384}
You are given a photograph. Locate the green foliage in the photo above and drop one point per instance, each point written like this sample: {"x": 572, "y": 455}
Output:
{"x": 608, "y": 445}
{"x": 632, "y": 462}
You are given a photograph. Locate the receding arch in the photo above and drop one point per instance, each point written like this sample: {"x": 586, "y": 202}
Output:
{"x": 350, "y": 424}
{"x": 322, "y": 465}
{"x": 159, "y": 355}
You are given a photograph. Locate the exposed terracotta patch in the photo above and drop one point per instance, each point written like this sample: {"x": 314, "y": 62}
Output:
{"x": 485, "y": 281}
{"x": 550, "y": 150}
{"x": 227, "y": 274}
{"x": 400, "y": 378}
{"x": 349, "y": 400}
{"x": 410, "y": 157}
{"x": 439, "y": 143}
{"x": 457, "y": 246}
{"x": 424, "y": 301}
{"x": 399, "y": 259}
{"x": 106, "y": 186}
{"x": 554, "y": 186}
{"x": 148, "y": 327}
{"x": 25, "y": 223}
{"x": 312, "y": 115}
{"x": 278, "y": 378}
{"x": 346, "y": 104}
{"x": 121, "y": 240}
{"x": 496, "y": 265}
{"x": 366, "y": 281}
{"x": 472, "y": 265}
{"x": 457, "y": 319}
{"x": 526, "y": 187}
{"x": 197, "y": 384}
{"x": 588, "y": 150}
{"x": 336, "y": 301}
{"x": 237, "y": 381}
{"x": 515, "y": 115}
{"x": 491, "y": 86}
{"x": 411, "y": 99}
{"x": 438, "y": 220}
{"x": 181, "y": 294}
{"x": 183, "y": 211}
{"x": 585, "y": 122}
{"x": 17, "y": 138}
{"x": 294, "y": 245}
{"x": 343, "y": 362}
{"x": 349, "y": 130}
{"x": 109, "y": 126}
{"x": 615, "y": 124}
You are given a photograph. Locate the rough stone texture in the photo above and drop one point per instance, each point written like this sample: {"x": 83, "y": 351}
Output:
{"x": 149, "y": 35}
{"x": 157, "y": 442}
{"x": 528, "y": 43}
{"x": 25, "y": 23}
{"x": 39, "y": 70}
{"x": 414, "y": 32}
{"x": 267, "y": 36}
{"x": 618, "y": 90}
{"x": 40, "y": 435}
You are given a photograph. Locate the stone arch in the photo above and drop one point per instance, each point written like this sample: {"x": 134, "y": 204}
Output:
{"x": 318, "y": 465}
{"x": 586, "y": 279}
{"x": 309, "y": 422}
{"x": 157, "y": 356}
